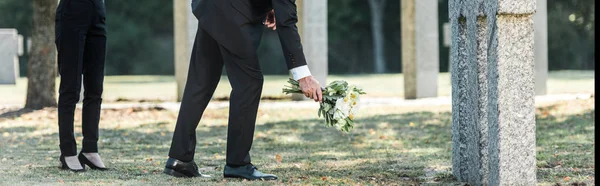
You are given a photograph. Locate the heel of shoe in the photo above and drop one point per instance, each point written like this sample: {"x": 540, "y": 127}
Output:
{"x": 64, "y": 165}
{"x": 173, "y": 173}
{"x": 84, "y": 161}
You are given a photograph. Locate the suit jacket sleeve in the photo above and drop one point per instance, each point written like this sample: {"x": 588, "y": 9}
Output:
{"x": 286, "y": 17}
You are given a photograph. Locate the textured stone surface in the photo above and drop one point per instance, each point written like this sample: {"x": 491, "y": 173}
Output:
{"x": 312, "y": 26}
{"x": 541, "y": 47}
{"x": 493, "y": 116}
{"x": 512, "y": 113}
{"x": 185, "y": 26}
{"x": 9, "y": 61}
{"x": 482, "y": 139}
{"x": 515, "y": 6}
{"x": 420, "y": 53}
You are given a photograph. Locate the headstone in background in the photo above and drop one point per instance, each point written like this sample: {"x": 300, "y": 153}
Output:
{"x": 20, "y": 47}
{"x": 420, "y": 52}
{"x": 493, "y": 89}
{"x": 28, "y": 45}
{"x": 312, "y": 25}
{"x": 9, "y": 52}
{"x": 447, "y": 41}
{"x": 185, "y": 27}
{"x": 541, "y": 47}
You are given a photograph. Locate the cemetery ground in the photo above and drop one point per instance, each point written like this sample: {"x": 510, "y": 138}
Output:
{"x": 391, "y": 145}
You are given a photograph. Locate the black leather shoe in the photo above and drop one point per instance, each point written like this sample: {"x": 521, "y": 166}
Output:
{"x": 249, "y": 172}
{"x": 84, "y": 161}
{"x": 178, "y": 168}
{"x": 66, "y": 167}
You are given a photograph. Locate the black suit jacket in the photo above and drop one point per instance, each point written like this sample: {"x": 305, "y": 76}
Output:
{"x": 227, "y": 22}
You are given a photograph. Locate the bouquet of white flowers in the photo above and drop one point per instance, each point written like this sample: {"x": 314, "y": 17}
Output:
{"x": 340, "y": 103}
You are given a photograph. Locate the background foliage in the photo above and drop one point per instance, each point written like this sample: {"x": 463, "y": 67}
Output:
{"x": 140, "y": 39}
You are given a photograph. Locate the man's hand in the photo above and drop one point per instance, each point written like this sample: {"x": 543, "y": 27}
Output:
{"x": 311, "y": 88}
{"x": 270, "y": 21}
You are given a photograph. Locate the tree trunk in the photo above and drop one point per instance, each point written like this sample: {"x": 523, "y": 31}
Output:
{"x": 41, "y": 72}
{"x": 377, "y": 12}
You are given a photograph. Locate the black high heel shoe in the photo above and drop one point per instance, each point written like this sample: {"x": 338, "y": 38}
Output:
{"x": 66, "y": 167}
{"x": 89, "y": 163}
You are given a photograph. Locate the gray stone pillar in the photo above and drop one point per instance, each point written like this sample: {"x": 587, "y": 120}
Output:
{"x": 312, "y": 25}
{"x": 420, "y": 52}
{"x": 541, "y": 46}
{"x": 493, "y": 113}
{"x": 9, "y": 60}
{"x": 185, "y": 29}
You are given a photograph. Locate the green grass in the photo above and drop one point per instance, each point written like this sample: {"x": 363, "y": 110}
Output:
{"x": 163, "y": 88}
{"x": 389, "y": 146}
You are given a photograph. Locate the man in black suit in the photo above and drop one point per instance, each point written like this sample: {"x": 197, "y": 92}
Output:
{"x": 229, "y": 33}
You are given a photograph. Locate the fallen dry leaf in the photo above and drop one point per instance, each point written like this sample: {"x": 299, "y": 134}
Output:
{"x": 278, "y": 158}
{"x": 545, "y": 113}
{"x": 411, "y": 124}
{"x": 323, "y": 178}
{"x": 567, "y": 178}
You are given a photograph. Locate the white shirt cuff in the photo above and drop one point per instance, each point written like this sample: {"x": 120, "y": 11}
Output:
{"x": 300, "y": 72}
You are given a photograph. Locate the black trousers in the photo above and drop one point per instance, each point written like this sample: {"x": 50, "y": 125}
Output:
{"x": 246, "y": 79}
{"x": 81, "y": 43}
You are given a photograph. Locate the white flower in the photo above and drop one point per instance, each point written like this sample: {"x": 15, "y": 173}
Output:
{"x": 355, "y": 109}
{"x": 339, "y": 115}
{"x": 342, "y": 105}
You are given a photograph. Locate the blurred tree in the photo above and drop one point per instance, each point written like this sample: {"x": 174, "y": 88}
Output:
{"x": 140, "y": 36}
{"x": 41, "y": 74}
{"x": 571, "y": 39}
{"x": 377, "y": 12}
{"x": 350, "y": 37}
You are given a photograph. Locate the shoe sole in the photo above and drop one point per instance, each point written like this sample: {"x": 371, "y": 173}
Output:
{"x": 174, "y": 173}
{"x": 242, "y": 177}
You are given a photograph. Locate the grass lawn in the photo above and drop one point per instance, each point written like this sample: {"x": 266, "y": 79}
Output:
{"x": 163, "y": 88}
{"x": 389, "y": 146}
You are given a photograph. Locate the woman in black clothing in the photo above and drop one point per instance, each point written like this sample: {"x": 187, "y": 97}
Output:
{"x": 81, "y": 43}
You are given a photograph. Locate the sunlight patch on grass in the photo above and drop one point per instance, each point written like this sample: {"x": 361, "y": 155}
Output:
{"x": 383, "y": 149}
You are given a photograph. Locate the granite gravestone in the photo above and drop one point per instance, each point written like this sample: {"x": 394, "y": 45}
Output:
{"x": 312, "y": 26}
{"x": 9, "y": 52}
{"x": 493, "y": 113}
{"x": 185, "y": 27}
{"x": 420, "y": 53}
{"x": 541, "y": 47}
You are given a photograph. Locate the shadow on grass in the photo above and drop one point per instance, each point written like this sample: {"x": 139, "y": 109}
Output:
{"x": 377, "y": 151}
{"x": 15, "y": 113}
{"x": 411, "y": 148}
